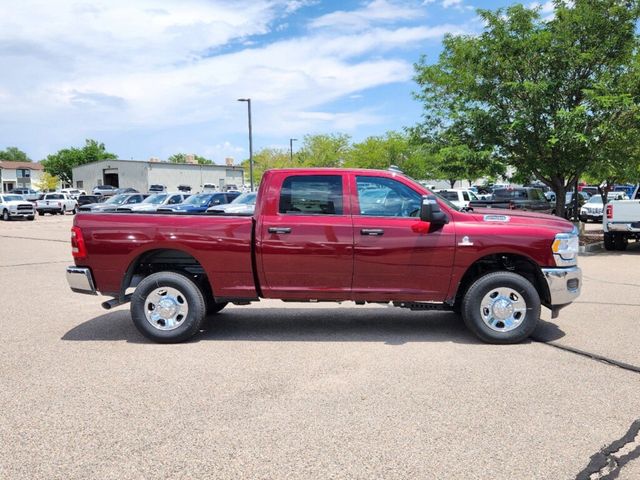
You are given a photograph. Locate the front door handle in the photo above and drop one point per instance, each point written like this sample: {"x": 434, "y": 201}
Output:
{"x": 279, "y": 230}
{"x": 373, "y": 232}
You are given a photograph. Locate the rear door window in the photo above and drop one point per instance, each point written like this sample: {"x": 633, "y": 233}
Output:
{"x": 311, "y": 195}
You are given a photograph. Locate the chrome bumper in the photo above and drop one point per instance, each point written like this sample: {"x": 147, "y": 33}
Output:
{"x": 623, "y": 227}
{"x": 564, "y": 284}
{"x": 80, "y": 280}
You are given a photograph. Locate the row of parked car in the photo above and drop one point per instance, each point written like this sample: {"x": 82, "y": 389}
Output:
{"x": 533, "y": 199}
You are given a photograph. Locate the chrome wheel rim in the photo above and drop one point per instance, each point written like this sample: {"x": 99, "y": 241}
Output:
{"x": 503, "y": 309}
{"x": 166, "y": 308}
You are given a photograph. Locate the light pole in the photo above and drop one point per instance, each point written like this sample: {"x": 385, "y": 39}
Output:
{"x": 291, "y": 140}
{"x": 248, "y": 100}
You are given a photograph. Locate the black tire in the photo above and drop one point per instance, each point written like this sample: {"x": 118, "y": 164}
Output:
{"x": 189, "y": 294}
{"x": 584, "y": 219}
{"x": 620, "y": 241}
{"x": 5, "y": 215}
{"x": 41, "y": 213}
{"x": 609, "y": 244}
{"x": 522, "y": 291}
{"x": 74, "y": 211}
{"x": 31, "y": 218}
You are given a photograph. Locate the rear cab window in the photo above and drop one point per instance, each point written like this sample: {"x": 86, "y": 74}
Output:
{"x": 311, "y": 195}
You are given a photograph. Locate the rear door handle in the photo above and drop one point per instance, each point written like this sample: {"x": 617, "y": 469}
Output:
{"x": 279, "y": 230}
{"x": 373, "y": 232}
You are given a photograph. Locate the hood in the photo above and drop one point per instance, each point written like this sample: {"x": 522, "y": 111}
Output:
{"x": 188, "y": 208}
{"x": 143, "y": 208}
{"x": 520, "y": 218}
{"x": 16, "y": 202}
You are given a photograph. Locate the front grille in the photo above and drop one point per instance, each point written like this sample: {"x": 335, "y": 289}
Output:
{"x": 25, "y": 208}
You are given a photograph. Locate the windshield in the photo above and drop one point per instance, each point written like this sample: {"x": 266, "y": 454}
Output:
{"x": 156, "y": 199}
{"x": 246, "y": 198}
{"x": 117, "y": 199}
{"x": 595, "y": 199}
{"x": 12, "y": 198}
{"x": 198, "y": 200}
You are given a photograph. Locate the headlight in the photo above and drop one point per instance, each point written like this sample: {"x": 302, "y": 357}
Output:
{"x": 565, "y": 249}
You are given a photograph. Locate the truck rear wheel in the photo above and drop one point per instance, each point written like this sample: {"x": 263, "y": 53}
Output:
{"x": 609, "y": 244}
{"x": 501, "y": 307}
{"x": 168, "y": 307}
{"x": 620, "y": 241}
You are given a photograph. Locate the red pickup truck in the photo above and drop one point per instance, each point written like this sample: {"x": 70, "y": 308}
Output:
{"x": 331, "y": 235}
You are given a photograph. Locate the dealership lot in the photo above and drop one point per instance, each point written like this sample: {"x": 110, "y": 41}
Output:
{"x": 280, "y": 390}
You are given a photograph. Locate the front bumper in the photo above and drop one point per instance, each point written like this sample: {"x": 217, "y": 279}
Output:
{"x": 80, "y": 280}
{"x": 564, "y": 285}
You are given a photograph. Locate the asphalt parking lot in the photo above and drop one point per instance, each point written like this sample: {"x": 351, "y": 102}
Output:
{"x": 280, "y": 390}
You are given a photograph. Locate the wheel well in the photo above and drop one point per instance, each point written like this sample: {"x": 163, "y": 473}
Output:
{"x": 507, "y": 262}
{"x": 166, "y": 260}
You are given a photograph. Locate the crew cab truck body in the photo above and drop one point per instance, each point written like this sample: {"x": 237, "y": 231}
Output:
{"x": 621, "y": 222}
{"x": 55, "y": 203}
{"x": 320, "y": 235}
{"x": 15, "y": 206}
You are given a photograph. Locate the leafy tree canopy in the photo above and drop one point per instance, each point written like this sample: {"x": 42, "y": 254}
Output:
{"x": 60, "y": 164}
{"x": 13, "y": 154}
{"x": 182, "y": 158}
{"x": 541, "y": 95}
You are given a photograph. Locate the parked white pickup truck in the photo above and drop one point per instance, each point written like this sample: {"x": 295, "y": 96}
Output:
{"x": 54, "y": 203}
{"x": 14, "y": 206}
{"x": 621, "y": 222}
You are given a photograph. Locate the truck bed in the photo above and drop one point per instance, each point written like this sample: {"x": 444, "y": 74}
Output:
{"x": 221, "y": 245}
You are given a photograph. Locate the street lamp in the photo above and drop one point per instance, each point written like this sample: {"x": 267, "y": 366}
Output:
{"x": 291, "y": 140}
{"x": 248, "y": 100}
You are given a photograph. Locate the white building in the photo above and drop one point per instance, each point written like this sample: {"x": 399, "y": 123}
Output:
{"x": 19, "y": 175}
{"x": 142, "y": 174}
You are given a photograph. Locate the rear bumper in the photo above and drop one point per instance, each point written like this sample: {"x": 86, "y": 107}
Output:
{"x": 623, "y": 227}
{"x": 80, "y": 280}
{"x": 564, "y": 285}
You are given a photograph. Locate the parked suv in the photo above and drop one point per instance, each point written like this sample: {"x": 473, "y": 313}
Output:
{"x": 14, "y": 206}
{"x": 27, "y": 193}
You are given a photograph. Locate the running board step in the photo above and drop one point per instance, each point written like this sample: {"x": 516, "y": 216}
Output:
{"x": 422, "y": 305}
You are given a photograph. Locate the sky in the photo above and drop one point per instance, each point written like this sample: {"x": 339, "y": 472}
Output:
{"x": 151, "y": 78}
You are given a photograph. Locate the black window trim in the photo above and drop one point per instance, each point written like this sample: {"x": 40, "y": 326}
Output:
{"x": 306, "y": 214}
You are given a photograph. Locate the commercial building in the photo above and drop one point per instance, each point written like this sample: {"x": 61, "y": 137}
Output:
{"x": 19, "y": 175}
{"x": 142, "y": 174}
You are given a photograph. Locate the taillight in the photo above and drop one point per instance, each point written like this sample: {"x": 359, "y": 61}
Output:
{"x": 78, "y": 248}
{"x": 609, "y": 212}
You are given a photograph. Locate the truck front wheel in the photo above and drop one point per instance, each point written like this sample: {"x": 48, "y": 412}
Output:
{"x": 501, "y": 307}
{"x": 168, "y": 307}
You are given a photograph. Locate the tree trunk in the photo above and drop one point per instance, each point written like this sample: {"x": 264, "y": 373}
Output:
{"x": 452, "y": 182}
{"x": 561, "y": 194}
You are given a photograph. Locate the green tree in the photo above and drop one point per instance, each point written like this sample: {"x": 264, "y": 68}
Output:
{"x": 325, "y": 150}
{"x": 61, "y": 164}
{"x": 182, "y": 158}
{"x": 47, "y": 182}
{"x": 379, "y": 151}
{"x": 13, "y": 154}
{"x": 540, "y": 95}
{"x": 266, "y": 159}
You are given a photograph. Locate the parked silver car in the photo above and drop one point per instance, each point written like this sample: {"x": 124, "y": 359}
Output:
{"x": 245, "y": 204}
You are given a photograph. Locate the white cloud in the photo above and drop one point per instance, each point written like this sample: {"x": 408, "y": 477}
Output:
{"x": 76, "y": 70}
{"x": 378, "y": 11}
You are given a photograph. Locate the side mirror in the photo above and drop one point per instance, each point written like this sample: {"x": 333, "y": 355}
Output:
{"x": 430, "y": 211}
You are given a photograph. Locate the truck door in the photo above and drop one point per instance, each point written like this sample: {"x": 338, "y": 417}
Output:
{"x": 394, "y": 257}
{"x": 305, "y": 241}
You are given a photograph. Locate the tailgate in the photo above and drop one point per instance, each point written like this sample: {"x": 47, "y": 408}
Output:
{"x": 626, "y": 211}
